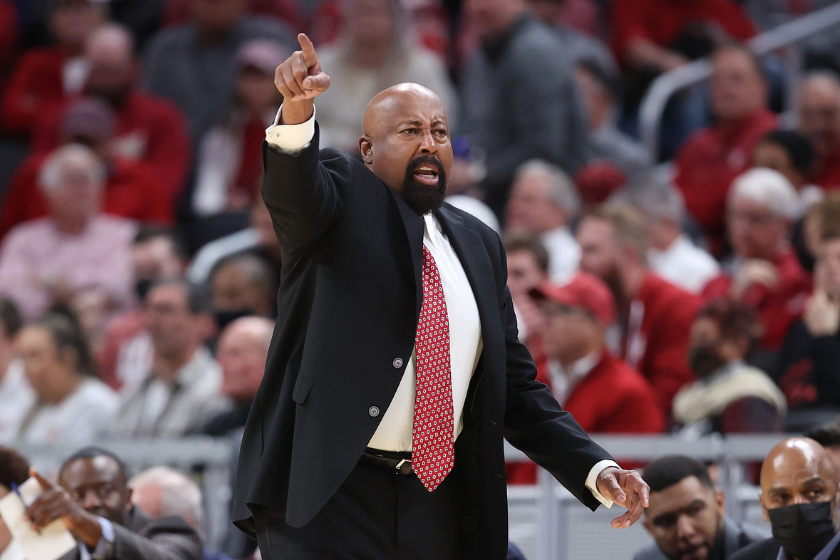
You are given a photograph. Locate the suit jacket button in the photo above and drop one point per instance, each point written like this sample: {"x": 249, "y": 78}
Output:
{"x": 398, "y": 363}
{"x": 374, "y": 411}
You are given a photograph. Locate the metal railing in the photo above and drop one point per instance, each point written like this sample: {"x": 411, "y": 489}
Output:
{"x": 785, "y": 35}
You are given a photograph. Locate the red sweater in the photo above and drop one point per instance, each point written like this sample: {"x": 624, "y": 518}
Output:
{"x": 612, "y": 399}
{"x": 35, "y": 86}
{"x": 777, "y": 307}
{"x": 707, "y": 164}
{"x": 663, "y": 21}
{"x": 149, "y": 128}
{"x": 655, "y": 339}
{"x": 133, "y": 191}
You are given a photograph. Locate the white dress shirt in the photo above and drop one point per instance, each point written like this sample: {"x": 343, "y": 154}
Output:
{"x": 563, "y": 254}
{"x": 465, "y": 343}
{"x": 684, "y": 264}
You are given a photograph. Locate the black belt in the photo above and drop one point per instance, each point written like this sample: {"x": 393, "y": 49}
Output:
{"x": 393, "y": 461}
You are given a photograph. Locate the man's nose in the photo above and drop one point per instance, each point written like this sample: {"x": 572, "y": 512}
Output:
{"x": 427, "y": 143}
{"x": 685, "y": 528}
{"x": 90, "y": 501}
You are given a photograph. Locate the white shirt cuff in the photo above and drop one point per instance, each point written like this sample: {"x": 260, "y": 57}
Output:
{"x": 290, "y": 138}
{"x": 592, "y": 480}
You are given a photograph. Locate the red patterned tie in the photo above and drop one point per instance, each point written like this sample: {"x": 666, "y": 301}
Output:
{"x": 433, "y": 448}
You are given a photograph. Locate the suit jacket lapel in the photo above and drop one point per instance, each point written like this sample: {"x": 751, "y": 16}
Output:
{"x": 414, "y": 226}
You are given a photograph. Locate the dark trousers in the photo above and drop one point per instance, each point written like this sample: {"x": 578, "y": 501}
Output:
{"x": 374, "y": 515}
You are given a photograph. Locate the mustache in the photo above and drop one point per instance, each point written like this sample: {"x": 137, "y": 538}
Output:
{"x": 420, "y": 161}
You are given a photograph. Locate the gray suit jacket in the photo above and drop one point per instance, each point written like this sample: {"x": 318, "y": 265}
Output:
{"x": 735, "y": 537}
{"x": 142, "y": 538}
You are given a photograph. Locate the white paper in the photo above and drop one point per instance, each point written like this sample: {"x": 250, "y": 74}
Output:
{"x": 53, "y": 542}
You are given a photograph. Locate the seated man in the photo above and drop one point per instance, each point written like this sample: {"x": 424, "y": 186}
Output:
{"x": 799, "y": 497}
{"x": 729, "y": 396}
{"x": 686, "y": 516}
{"x": 93, "y": 500}
{"x": 46, "y": 261}
{"x": 818, "y": 112}
{"x": 242, "y": 285}
{"x": 764, "y": 272}
{"x": 14, "y": 469}
{"x": 528, "y": 265}
{"x": 180, "y": 392}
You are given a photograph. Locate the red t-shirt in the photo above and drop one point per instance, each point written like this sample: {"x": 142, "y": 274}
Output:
{"x": 707, "y": 164}
{"x": 35, "y": 85}
{"x": 133, "y": 191}
{"x": 655, "y": 341}
{"x": 777, "y": 307}
{"x": 662, "y": 21}
{"x": 149, "y": 128}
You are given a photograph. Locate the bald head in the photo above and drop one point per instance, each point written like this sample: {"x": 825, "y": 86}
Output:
{"x": 406, "y": 144}
{"x": 243, "y": 349}
{"x": 110, "y": 52}
{"x": 819, "y": 112}
{"x": 250, "y": 330}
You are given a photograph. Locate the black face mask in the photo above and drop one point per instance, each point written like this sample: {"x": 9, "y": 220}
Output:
{"x": 228, "y": 316}
{"x": 141, "y": 288}
{"x": 704, "y": 361}
{"x": 803, "y": 530}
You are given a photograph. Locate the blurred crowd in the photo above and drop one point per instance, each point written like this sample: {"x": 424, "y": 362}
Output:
{"x": 693, "y": 291}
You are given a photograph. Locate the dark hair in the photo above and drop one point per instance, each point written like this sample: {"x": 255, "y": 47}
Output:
{"x": 10, "y": 319}
{"x": 530, "y": 243}
{"x": 148, "y": 232}
{"x": 734, "y": 320}
{"x": 257, "y": 270}
{"x": 66, "y": 333}
{"x": 827, "y": 435}
{"x": 799, "y": 149}
{"x": 92, "y": 452}
{"x": 14, "y": 467}
{"x": 666, "y": 471}
{"x": 198, "y": 296}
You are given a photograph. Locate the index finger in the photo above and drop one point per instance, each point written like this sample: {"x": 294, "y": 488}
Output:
{"x": 45, "y": 484}
{"x": 308, "y": 50}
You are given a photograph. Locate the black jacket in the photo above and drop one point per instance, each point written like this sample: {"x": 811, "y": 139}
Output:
{"x": 769, "y": 550}
{"x": 349, "y": 303}
{"x": 142, "y": 538}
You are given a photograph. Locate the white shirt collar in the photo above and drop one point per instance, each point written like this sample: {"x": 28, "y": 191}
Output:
{"x": 564, "y": 381}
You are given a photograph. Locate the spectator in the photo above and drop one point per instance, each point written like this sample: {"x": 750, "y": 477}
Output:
{"x": 528, "y": 264}
{"x": 713, "y": 157}
{"x": 93, "y": 501}
{"x": 807, "y": 369}
{"x": 672, "y": 255}
{"x": 194, "y": 64}
{"x": 373, "y": 53}
{"x": 799, "y": 486}
{"x": 242, "y": 285}
{"x": 147, "y": 128}
{"x": 72, "y": 405}
{"x": 819, "y": 121}
{"x": 180, "y": 392}
{"x": 163, "y": 492}
{"x": 602, "y": 393}
{"x": 16, "y": 396}
{"x": 178, "y": 11}
{"x": 14, "y": 470}
{"x": 77, "y": 247}
{"x": 543, "y": 201}
{"x": 230, "y": 160}
{"x": 687, "y": 514}
{"x": 828, "y": 435}
{"x": 472, "y": 205}
{"x": 132, "y": 189}
{"x": 156, "y": 254}
{"x": 242, "y": 352}
{"x": 520, "y": 97}
{"x": 764, "y": 272}
{"x": 612, "y": 145}
{"x": 792, "y": 155}
{"x": 259, "y": 239}
{"x": 48, "y": 75}
{"x": 654, "y": 316}
{"x": 728, "y": 396}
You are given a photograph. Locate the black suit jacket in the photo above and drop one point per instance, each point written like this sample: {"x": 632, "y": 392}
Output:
{"x": 142, "y": 538}
{"x": 769, "y": 550}
{"x": 349, "y": 303}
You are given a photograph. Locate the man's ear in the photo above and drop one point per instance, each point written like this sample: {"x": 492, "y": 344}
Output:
{"x": 720, "y": 501}
{"x": 128, "y": 492}
{"x": 763, "y": 507}
{"x": 366, "y": 148}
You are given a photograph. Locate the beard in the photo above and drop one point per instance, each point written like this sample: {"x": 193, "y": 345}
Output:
{"x": 419, "y": 196}
{"x": 114, "y": 97}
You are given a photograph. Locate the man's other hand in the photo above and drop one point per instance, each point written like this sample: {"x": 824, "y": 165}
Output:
{"x": 300, "y": 79}
{"x": 54, "y": 504}
{"x": 627, "y": 489}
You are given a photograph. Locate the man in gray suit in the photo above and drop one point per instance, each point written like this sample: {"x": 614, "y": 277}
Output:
{"x": 686, "y": 514}
{"x": 94, "y": 501}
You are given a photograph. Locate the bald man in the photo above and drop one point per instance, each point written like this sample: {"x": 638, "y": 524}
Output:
{"x": 395, "y": 369}
{"x": 819, "y": 120}
{"x": 800, "y": 498}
